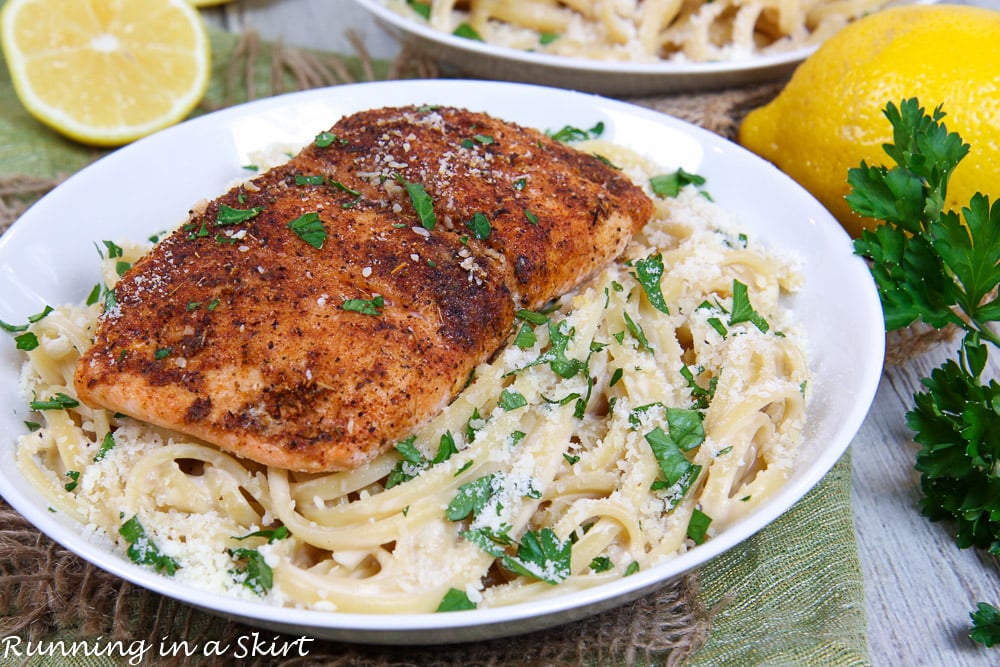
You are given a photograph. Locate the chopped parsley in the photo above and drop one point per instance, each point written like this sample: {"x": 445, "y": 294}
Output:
{"x": 677, "y": 471}
{"x": 422, "y": 9}
{"x": 74, "y": 479}
{"x": 228, "y": 215}
{"x": 142, "y": 550}
{"x": 539, "y": 555}
{"x": 114, "y": 250}
{"x": 18, "y": 328}
{"x": 27, "y": 341}
{"x": 569, "y": 133}
{"x": 422, "y": 203}
{"x": 467, "y": 31}
{"x": 59, "y": 401}
{"x": 480, "y": 226}
{"x": 483, "y": 139}
{"x": 456, "y": 600}
{"x": 107, "y": 444}
{"x": 413, "y": 462}
{"x": 669, "y": 185}
{"x": 698, "y": 526}
{"x": 254, "y": 572}
{"x": 371, "y": 306}
{"x": 271, "y": 534}
{"x": 649, "y": 272}
{"x": 326, "y": 139}
{"x": 525, "y": 337}
{"x": 601, "y": 564}
{"x": 310, "y": 179}
{"x": 309, "y": 228}
{"x": 743, "y": 311}
{"x": 512, "y": 400}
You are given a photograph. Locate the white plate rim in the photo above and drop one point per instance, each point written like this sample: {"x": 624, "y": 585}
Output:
{"x": 475, "y": 624}
{"x": 571, "y": 63}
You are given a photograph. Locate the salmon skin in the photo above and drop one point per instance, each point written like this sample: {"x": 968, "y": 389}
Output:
{"x": 312, "y": 317}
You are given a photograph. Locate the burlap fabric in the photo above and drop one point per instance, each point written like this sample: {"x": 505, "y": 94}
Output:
{"x": 792, "y": 594}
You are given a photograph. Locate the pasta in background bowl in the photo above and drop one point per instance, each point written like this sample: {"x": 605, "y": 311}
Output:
{"x": 836, "y": 305}
{"x": 624, "y": 48}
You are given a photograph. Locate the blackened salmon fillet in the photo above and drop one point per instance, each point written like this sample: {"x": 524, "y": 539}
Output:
{"x": 324, "y": 310}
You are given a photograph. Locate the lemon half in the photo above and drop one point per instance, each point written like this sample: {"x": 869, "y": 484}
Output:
{"x": 106, "y": 73}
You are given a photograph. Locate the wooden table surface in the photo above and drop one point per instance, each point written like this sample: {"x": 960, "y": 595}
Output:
{"x": 919, "y": 587}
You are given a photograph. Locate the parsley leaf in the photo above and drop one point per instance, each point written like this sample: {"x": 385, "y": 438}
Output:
{"x": 456, "y": 600}
{"x": 570, "y": 133}
{"x": 228, "y": 215}
{"x": 669, "y": 185}
{"x": 985, "y": 624}
{"x": 142, "y": 550}
{"x": 480, "y": 226}
{"x": 473, "y": 496}
{"x": 309, "y": 228}
{"x": 254, "y": 573}
{"x": 371, "y": 306}
{"x": 698, "y": 526}
{"x": 743, "y": 311}
{"x": 649, "y": 272}
{"x": 59, "y": 401}
{"x": 540, "y": 555}
{"x": 467, "y": 31}
{"x": 422, "y": 203}
{"x": 941, "y": 268}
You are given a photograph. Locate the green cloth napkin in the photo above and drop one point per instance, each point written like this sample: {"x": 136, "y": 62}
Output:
{"x": 790, "y": 595}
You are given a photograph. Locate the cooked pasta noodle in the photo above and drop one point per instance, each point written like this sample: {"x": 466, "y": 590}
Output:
{"x": 643, "y": 30}
{"x": 582, "y": 441}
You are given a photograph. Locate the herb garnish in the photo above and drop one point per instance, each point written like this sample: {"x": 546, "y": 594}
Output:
{"x": 668, "y": 449}
{"x": 698, "y": 526}
{"x": 107, "y": 444}
{"x": 467, "y": 31}
{"x": 648, "y": 272}
{"x": 456, "y": 600}
{"x": 540, "y": 555}
{"x": 59, "y": 401}
{"x": 423, "y": 9}
{"x": 255, "y": 573}
{"x": 941, "y": 268}
{"x": 413, "y": 461}
{"x": 669, "y": 185}
{"x": 310, "y": 179}
{"x": 371, "y": 306}
{"x": 74, "y": 479}
{"x": 228, "y": 215}
{"x": 325, "y": 139}
{"x": 569, "y": 133}
{"x": 743, "y": 311}
{"x": 480, "y": 226}
{"x": 422, "y": 202}
{"x": 309, "y": 228}
{"x": 142, "y": 550}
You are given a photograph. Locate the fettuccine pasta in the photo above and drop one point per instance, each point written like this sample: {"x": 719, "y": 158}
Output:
{"x": 640, "y": 415}
{"x": 643, "y": 30}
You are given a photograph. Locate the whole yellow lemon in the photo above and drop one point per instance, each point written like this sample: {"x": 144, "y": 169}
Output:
{"x": 828, "y": 118}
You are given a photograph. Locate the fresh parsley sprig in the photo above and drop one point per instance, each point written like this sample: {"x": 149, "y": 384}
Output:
{"x": 942, "y": 268}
